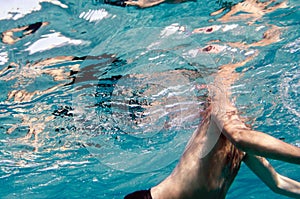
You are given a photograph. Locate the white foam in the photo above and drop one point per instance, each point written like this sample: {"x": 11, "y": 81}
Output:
{"x": 192, "y": 53}
{"x": 294, "y": 46}
{"x": 52, "y": 40}
{"x": 259, "y": 28}
{"x": 3, "y": 58}
{"x": 16, "y": 9}
{"x": 230, "y": 27}
{"x": 170, "y": 30}
{"x": 94, "y": 15}
{"x": 251, "y": 52}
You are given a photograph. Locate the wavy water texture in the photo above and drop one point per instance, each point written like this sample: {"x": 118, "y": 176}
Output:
{"x": 96, "y": 99}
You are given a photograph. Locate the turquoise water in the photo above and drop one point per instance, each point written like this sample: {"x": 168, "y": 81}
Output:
{"x": 118, "y": 120}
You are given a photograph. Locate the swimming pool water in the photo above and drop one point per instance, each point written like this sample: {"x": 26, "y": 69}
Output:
{"x": 117, "y": 117}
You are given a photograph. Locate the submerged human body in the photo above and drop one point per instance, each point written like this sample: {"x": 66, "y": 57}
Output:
{"x": 221, "y": 142}
{"x": 210, "y": 176}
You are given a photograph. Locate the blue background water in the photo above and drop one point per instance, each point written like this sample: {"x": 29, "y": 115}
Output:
{"x": 65, "y": 166}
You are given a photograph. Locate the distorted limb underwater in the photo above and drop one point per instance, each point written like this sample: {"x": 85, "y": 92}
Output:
{"x": 221, "y": 142}
{"x": 9, "y": 37}
{"x": 256, "y": 145}
{"x": 209, "y": 174}
{"x": 249, "y": 9}
{"x": 63, "y": 76}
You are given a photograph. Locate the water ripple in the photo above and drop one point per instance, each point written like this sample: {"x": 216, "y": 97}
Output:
{"x": 290, "y": 90}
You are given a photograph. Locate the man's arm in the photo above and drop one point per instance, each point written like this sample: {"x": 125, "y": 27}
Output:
{"x": 276, "y": 182}
{"x": 261, "y": 144}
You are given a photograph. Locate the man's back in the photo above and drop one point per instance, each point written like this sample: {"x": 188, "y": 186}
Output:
{"x": 207, "y": 167}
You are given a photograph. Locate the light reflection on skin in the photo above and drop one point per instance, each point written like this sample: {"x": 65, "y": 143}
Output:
{"x": 253, "y": 9}
{"x": 210, "y": 175}
{"x": 171, "y": 98}
{"x": 30, "y": 71}
{"x": 206, "y": 30}
{"x": 270, "y": 36}
{"x": 36, "y": 121}
{"x": 36, "y": 124}
{"x": 227, "y": 77}
{"x": 9, "y": 37}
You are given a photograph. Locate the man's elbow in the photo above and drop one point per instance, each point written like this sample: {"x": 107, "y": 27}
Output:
{"x": 237, "y": 136}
